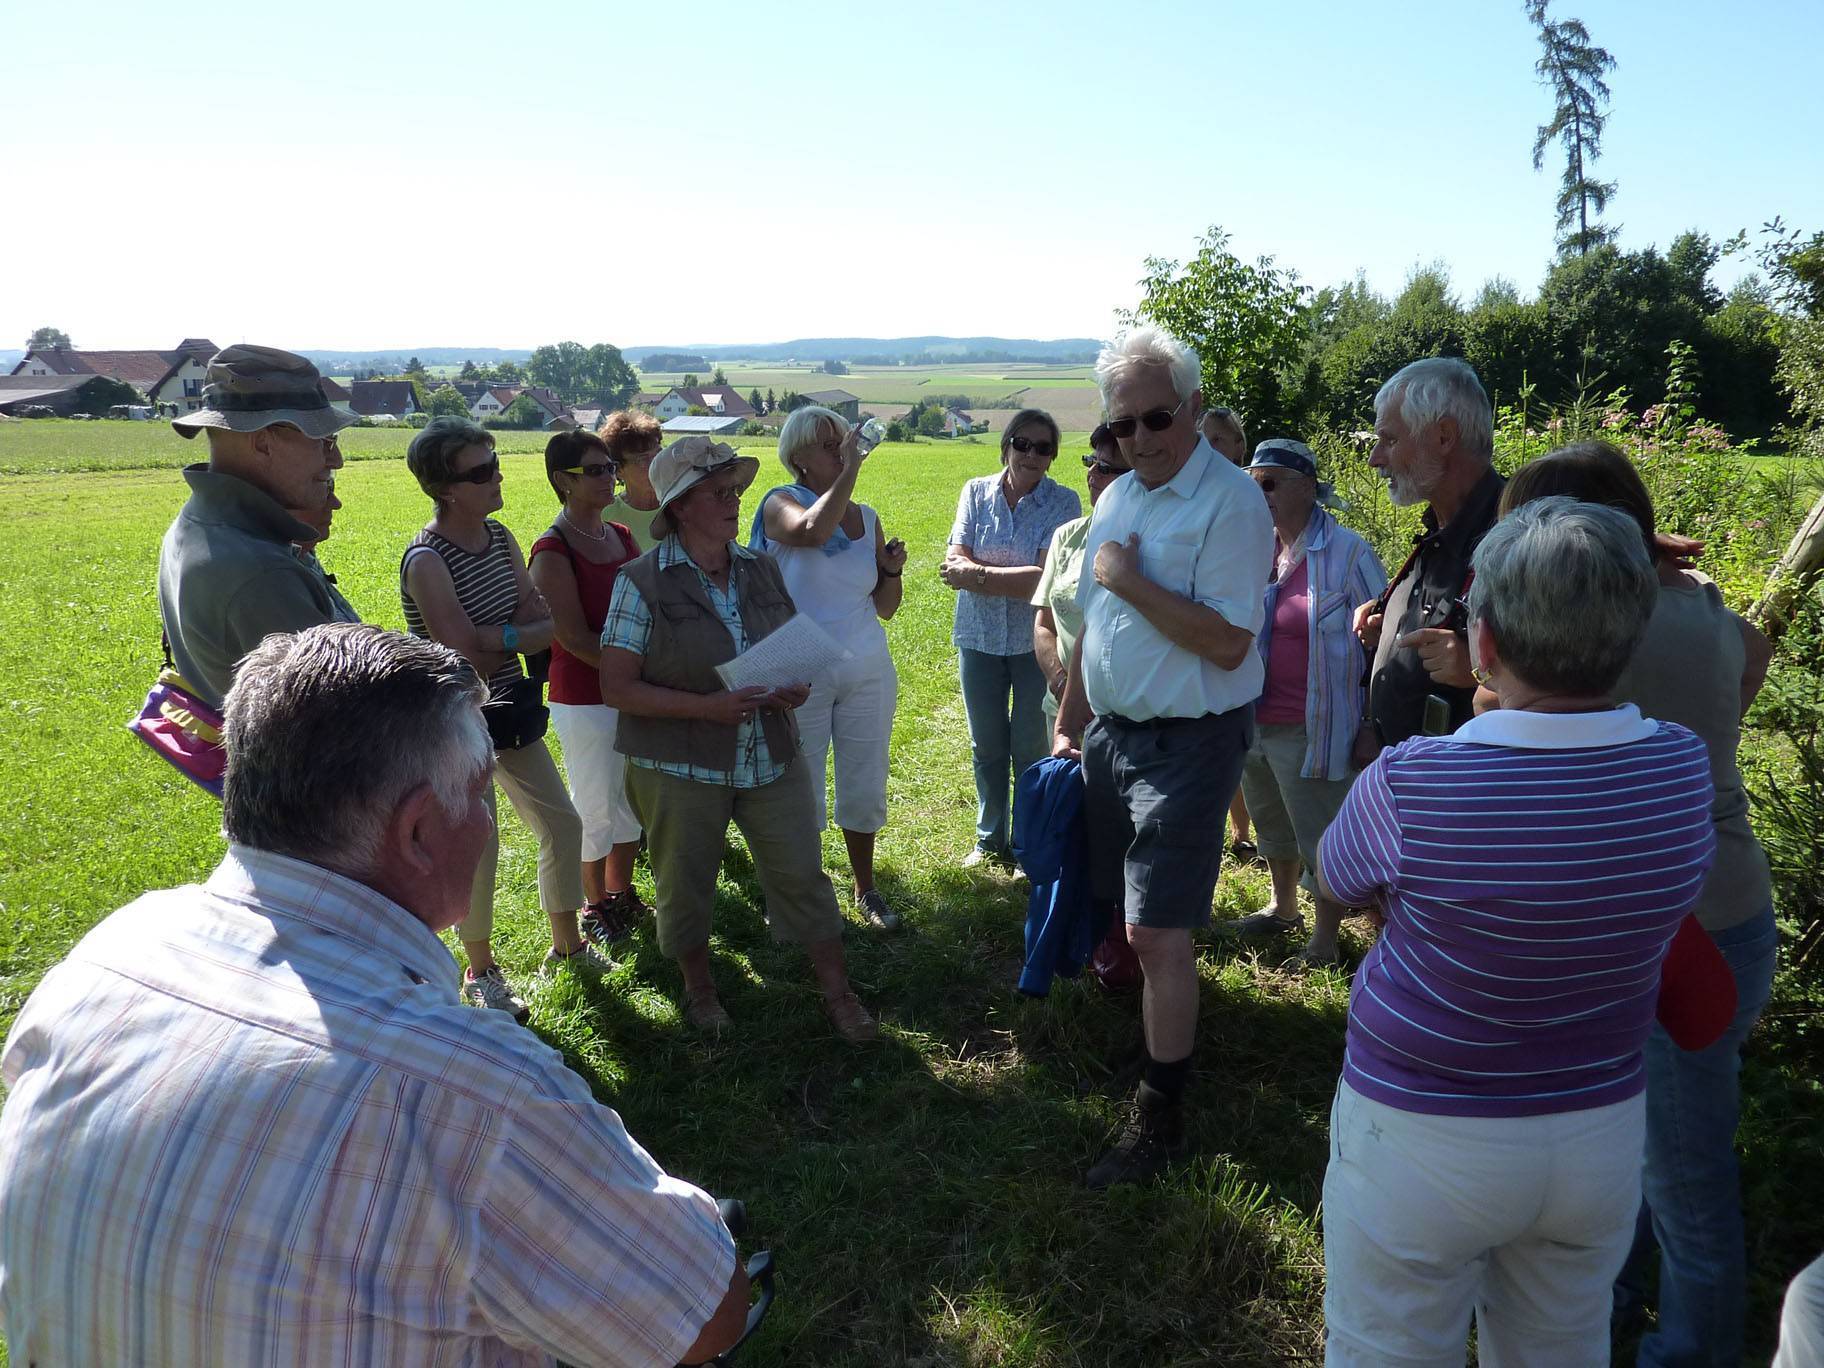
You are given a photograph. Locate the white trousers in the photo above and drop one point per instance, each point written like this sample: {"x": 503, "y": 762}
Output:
{"x": 597, "y": 774}
{"x": 852, "y": 708}
{"x": 1802, "y": 1320}
{"x": 1524, "y": 1220}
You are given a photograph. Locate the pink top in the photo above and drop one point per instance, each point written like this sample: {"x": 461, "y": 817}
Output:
{"x": 1289, "y": 654}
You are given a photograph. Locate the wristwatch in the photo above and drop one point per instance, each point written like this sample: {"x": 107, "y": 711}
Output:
{"x": 509, "y": 637}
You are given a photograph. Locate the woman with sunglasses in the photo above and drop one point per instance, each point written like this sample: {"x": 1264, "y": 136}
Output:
{"x": 1298, "y": 771}
{"x": 464, "y": 584}
{"x": 997, "y": 549}
{"x": 574, "y": 565}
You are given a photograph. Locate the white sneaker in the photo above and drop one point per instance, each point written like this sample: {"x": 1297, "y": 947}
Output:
{"x": 588, "y": 960}
{"x": 492, "y": 990}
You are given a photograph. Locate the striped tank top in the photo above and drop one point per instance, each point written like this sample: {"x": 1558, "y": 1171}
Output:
{"x": 485, "y": 587}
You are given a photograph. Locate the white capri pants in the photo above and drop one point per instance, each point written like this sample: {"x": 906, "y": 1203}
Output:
{"x": 597, "y": 774}
{"x": 1526, "y": 1220}
{"x": 852, "y": 708}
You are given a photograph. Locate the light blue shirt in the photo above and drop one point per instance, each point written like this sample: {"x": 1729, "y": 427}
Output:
{"x": 1206, "y": 535}
{"x": 1001, "y": 536}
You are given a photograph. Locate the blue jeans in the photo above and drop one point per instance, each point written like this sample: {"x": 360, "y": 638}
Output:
{"x": 1691, "y": 1189}
{"x": 998, "y": 734}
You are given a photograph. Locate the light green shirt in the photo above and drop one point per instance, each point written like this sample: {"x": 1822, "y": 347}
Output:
{"x": 1058, "y": 591}
{"x": 635, "y": 520}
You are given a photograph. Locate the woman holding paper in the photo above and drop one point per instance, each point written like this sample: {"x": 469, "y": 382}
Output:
{"x": 700, "y": 754}
{"x": 845, "y": 575}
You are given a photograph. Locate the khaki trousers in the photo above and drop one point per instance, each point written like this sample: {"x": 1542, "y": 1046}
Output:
{"x": 529, "y": 778}
{"x": 687, "y": 831}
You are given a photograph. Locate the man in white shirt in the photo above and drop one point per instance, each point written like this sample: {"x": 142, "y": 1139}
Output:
{"x": 1171, "y": 601}
{"x": 252, "y": 1122}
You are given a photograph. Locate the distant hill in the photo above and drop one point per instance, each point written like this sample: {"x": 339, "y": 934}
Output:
{"x": 343, "y": 362}
{"x": 893, "y": 350}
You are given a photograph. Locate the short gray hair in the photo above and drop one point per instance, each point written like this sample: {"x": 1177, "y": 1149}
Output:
{"x": 327, "y": 731}
{"x": 1567, "y": 588}
{"x": 432, "y": 455}
{"x": 800, "y": 431}
{"x": 1442, "y": 387}
{"x": 1149, "y": 346}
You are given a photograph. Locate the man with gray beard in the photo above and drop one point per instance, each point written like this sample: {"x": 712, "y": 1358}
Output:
{"x": 1434, "y": 444}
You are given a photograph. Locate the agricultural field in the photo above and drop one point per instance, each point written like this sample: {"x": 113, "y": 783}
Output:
{"x": 922, "y": 1196}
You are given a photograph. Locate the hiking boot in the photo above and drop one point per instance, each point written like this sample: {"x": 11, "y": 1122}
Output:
{"x": 585, "y": 959}
{"x": 707, "y": 1014}
{"x": 877, "y": 910}
{"x": 851, "y": 1019}
{"x": 492, "y": 990}
{"x": 605, "y": 922}
{"x": 1265, "y": 924}
{"x": 628, "y": 902}
{"x": 1152, "y": 1138}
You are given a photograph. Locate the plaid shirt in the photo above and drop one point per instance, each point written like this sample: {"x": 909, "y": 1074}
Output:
{"x": 252, "y": 1122}
{"x": 628, "y": 626}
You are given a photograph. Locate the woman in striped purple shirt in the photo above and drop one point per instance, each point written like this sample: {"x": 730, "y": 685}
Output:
{"x": 1531, "y": 869}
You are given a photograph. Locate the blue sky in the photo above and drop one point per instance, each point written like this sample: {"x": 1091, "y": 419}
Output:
{"x": 390, "y": 176}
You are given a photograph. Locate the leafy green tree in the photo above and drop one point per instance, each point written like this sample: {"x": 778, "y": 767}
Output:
{"x": 562, "y": 369}
{"x": 931, "y": 423}
{"x": 1425, "y": 320}
{"x": 718, "y": 378}
{"x": 754, "y": 402}
{"x": 447, "y": 401}
{"x": 525, "y": 413}
{"x": 1614, "y": 313}
{"x": 690, "y": 382}
{"x": 100, "y": 395}
{"x": 607, "y": 379}
{"x": 1245, "y": 321}
{"x": 469, "y": 371}
{"x": 771, "y": 404}
{"x": 508, "y": 373}
{"x": 1691, "y": 258}
{"x": 414, "y": 367}
{"x": 1572, "y": 68}
{"x": 896, "y": 431}
{"x": 46, "y": 339}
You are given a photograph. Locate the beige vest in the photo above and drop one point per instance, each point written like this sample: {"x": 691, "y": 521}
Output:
{"x": 687, "y": 642}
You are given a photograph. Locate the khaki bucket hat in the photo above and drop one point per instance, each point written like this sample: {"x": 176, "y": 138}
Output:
{"x": 685, "y": 464}
{"x": 249, "y": 388}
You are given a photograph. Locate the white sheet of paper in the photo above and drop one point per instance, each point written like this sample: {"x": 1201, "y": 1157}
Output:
{"x": 797, "y": 653}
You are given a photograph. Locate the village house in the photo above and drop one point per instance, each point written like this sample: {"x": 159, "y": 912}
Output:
{"x": 171, "y": 379}
{"x": 720, "y": 401}
{"x": 838, "y": 401}
{"x": 959, "y": 424}
{"x": 60, "y": 394}
{"x": 383, "y": 399}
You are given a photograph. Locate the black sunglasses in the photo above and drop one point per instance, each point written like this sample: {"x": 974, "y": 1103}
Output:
{"x": 1095, "y": 467}
{"x": 1040, "y": 448}
{"x": 1155, "y": 420}
{"x": 594, "y": 471}
{"x": 481, "y": 474}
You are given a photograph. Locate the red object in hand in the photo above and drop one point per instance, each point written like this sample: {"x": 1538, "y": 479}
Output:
{"x": 1697, "y": 998}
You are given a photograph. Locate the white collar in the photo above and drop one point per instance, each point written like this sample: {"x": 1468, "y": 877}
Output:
{"x": 1557, "y": 731}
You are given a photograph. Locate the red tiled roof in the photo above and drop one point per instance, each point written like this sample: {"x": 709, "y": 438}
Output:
{"x": 732, "y": 404}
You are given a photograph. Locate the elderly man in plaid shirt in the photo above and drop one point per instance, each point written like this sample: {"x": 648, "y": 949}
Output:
{"x": 251, "y": 1122}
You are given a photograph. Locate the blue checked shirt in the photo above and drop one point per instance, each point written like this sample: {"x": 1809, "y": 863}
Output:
{"x": 998, "y": 535}
{"x": 253, "y": 1122}
{"x": 628, "y": 627}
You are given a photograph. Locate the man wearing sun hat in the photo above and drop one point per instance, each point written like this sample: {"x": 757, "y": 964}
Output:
{"x": 227, "y": 574}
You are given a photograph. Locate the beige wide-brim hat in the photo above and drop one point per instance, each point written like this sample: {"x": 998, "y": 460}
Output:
{"x": 249, "y": 388}
{"x": 684, "y": 464}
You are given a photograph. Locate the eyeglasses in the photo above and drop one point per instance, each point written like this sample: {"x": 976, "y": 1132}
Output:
{"x": 1155, "y": 420}
{"x": 1095, "y": 467}
{"x": 329, "y": 444}
{"x": 1268, "y": 485}
{"x": 594, "y": 471}
{"x": 1043, "y": 449}
{"x": 481, "y": 474}
{"x": 728, "y": 491}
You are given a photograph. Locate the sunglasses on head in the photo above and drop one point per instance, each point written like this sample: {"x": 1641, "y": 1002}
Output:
{"x": 594, "y": 470}
{"x": 1095, "y": 467}
{"x": 481, "y": 474}
{"x": 1041, "y": 447}
{"x": 1154, "y": 420}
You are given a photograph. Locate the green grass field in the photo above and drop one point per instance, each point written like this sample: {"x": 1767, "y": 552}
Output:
{"x": 890, "y": 384}
{"x": 921, "y": 1195}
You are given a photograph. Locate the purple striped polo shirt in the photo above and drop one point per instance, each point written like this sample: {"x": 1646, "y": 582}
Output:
{"x": 1532, "y": 869}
